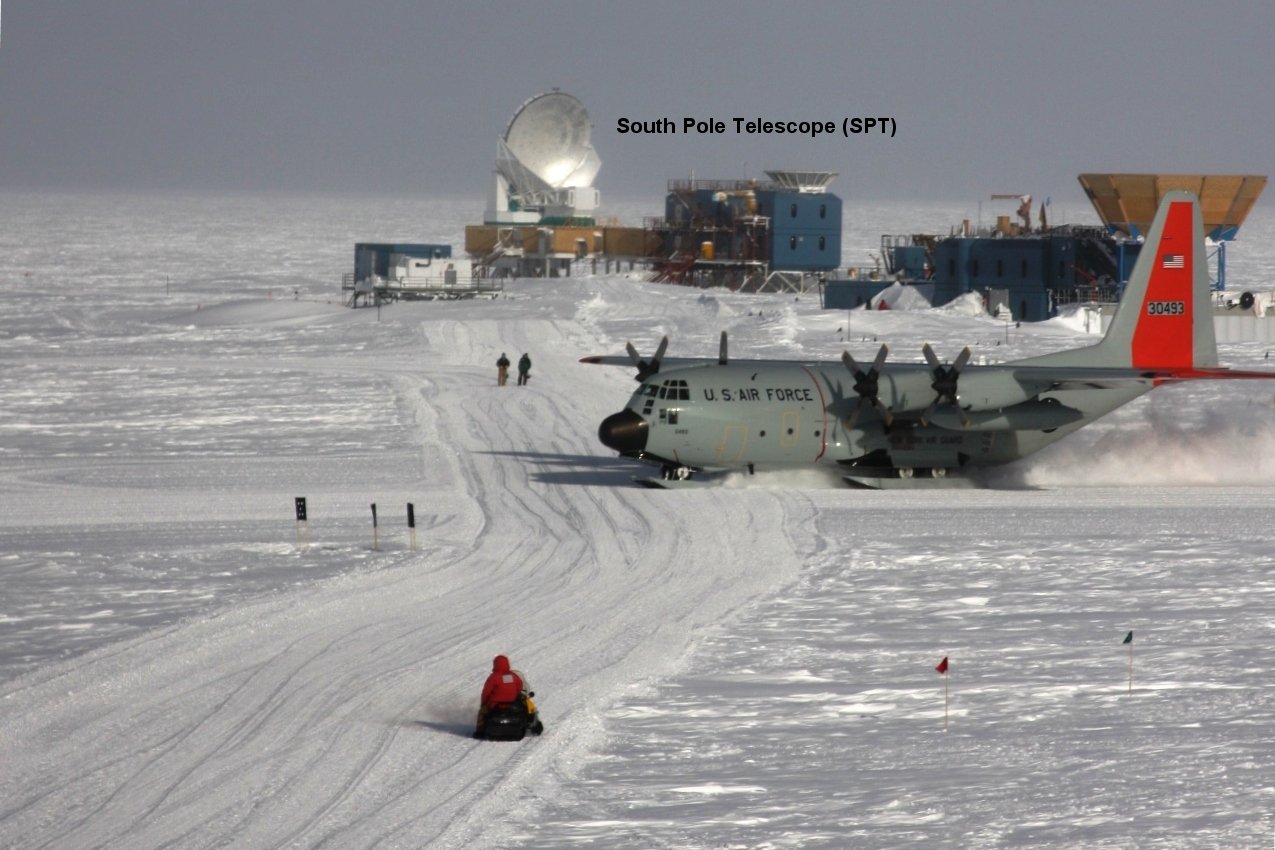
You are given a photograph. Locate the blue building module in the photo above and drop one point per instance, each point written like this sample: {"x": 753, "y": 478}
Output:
{"x": 748, "y": 222}
{"x": 805, "y": 230}
{"x": 1030, "y": 275}
{"x": 373, "y": 258}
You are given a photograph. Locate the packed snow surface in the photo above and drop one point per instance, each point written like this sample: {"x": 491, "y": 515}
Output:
{"x": 182, "y": 665}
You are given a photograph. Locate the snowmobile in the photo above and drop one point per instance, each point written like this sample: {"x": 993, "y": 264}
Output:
{"x": 510, "y": 721}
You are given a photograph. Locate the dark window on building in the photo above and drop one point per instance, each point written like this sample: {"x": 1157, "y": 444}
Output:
{"x": 974, "y": 268}
{"x": 792, "y": 242}
{"x": 793, "y": 209}
{"x": 1024, "y": 269}
{"x": 951, "y": 268}
{"x": 1000, "y": 268}
{"x": 822, "y": 243}
{"x": 823, "y": 210}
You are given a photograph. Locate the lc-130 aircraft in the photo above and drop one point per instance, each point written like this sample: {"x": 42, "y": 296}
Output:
{"x": 925, "y": 424}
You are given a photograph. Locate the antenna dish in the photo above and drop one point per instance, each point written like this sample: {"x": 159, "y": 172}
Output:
{"x": 545, "y": 164}
{"x": 549, "y": 136}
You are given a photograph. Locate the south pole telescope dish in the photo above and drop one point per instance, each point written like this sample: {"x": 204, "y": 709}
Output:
{"x": 549, "y": 137}
{"x": 545, "y": 165}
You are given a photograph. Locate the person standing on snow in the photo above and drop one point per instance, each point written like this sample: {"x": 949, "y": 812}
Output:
{"x": 524, "y": 369}
{"x": 506, "y": 686}
{"x": 502, "y": 370}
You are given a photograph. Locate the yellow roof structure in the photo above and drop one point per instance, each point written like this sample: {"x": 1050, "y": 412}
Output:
{"x": 1127, "y": 202}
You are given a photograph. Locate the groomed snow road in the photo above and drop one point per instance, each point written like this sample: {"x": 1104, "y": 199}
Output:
{"x": 338, "y": 713}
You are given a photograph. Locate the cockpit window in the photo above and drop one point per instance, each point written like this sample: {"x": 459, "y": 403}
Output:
{"x": 676, "y": 389}
{"x": 650, "y": 390}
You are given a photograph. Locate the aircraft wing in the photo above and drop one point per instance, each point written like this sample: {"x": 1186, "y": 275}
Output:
{"x": 1040, "y": 378}
{"x": 1219, "y": 373}
{"x": 1075, "y": 378}
{"x": 623, "y": 360}
{"x": 1070, "y": 377}
{"x": 680, "y": 362}
{"x": 1032, "y": 378}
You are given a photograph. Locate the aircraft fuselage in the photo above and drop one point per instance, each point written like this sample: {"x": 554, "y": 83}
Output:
{"x": 745, "y": 415}
{"x": 895, "y": 420}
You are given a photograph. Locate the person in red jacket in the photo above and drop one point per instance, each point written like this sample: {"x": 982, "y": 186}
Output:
{"x": 506, "y": 686}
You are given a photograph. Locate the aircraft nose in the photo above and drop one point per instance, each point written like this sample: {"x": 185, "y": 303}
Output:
{"x": 624, "y": 431}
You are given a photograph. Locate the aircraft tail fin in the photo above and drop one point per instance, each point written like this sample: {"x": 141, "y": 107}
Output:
{"x": 1165, "y": 317}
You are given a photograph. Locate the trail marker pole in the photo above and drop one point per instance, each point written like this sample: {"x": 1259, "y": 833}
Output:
{"x": 302, "y": 523}
{"x": 942, "y": 671}
{"x": 411, "y": 525}
{"x": 375, "y": 541}
{"x": 1128, "y": 639}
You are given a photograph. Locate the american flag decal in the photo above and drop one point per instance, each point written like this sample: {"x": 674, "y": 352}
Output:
{"x": 1173, "y": 261}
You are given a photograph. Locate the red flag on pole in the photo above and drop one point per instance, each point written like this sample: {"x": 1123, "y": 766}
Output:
{"x": 942, "y": 670}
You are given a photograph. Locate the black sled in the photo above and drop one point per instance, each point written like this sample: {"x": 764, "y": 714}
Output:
{"x": 509, "y": 722}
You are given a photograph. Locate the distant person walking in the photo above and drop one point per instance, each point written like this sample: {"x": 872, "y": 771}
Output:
{"x": 524, "y": 369}
{"x": 502, "y": 370}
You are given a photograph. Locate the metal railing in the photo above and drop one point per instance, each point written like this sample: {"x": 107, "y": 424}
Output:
{"x": 452, "y": 288}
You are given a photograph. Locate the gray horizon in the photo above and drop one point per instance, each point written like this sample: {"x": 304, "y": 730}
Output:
{"x": 402, "y": 99}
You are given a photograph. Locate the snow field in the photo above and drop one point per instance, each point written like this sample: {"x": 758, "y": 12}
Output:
{"x": 749, "y": 666}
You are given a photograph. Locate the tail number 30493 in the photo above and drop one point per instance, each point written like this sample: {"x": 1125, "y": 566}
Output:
{"x": 1166, "y": 308}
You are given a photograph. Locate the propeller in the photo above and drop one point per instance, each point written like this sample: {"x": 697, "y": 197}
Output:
{"x": 645, "y": 368}
{"x": 867, "y": 385}
{"x": 945, "y": 383}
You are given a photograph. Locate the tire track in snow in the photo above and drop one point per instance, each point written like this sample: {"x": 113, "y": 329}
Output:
{"x": 351, "y": 698}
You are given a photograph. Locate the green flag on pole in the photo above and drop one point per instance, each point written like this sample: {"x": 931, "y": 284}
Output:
{"x": 1128, "y": 638}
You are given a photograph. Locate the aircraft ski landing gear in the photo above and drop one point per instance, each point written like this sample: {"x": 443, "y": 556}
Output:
{"x": 674, "y": 478}
{"x": 909, "y": 478}
{"x": 932, "y": 472}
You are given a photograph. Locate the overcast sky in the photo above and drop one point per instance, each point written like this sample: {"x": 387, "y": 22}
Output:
{"x": 409, "y": 98}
